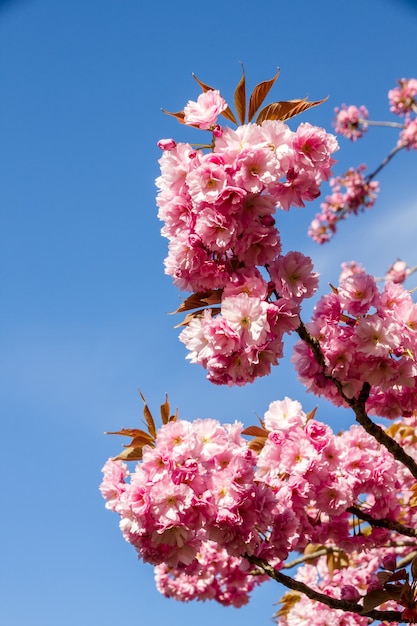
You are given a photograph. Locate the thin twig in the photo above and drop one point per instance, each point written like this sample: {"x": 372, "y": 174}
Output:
{"x": 390, "y": 124}
{"x": 387, "y": 159}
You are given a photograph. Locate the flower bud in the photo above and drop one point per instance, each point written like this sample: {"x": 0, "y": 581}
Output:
{"x": 166, "y": 144}
{"x": 349, "y": 592}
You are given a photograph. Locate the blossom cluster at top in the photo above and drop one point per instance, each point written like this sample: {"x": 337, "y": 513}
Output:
{"x": 365, "y": 336}
{"x": 201, "y": 500}
{"x": 218, "y": 206}
{"x": 360, "y": 193}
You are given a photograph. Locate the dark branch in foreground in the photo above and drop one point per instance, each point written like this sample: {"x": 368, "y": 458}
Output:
{"x": 333, "y": 603}
{"x": 383, "y": 522}
{"x": 358, "y": 406}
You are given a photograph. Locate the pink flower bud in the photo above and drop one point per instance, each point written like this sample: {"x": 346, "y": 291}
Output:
{"x": 349, "y": 592}
{"x": 389, "y": 562}
{"x": 166, "y": 144}
{"x": 217, "y": 131}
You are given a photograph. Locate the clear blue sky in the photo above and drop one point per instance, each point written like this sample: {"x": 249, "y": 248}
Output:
{"x": 83, "y": 294}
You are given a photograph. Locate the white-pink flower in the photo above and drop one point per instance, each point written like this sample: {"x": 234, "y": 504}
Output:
{"x": 205, "y": 111}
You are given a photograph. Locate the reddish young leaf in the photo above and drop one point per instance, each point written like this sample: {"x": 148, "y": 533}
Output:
{"x": 148, "y": 417}
{"x": 311, "y": 414}
{"x": 259, "y": 94}
{"x": 374, "y": 599}
{"x": 173, "y": 418}
{"x": 257, "y": 444}
{"x": 140, "y": 441}
{"x": 199, "y": 300}
{"x": 179, "y": 116}
{"x": 240, "y": 98}
{"x": 165, "y": 410}
{"x": 227, "y": 113}
{"x": 255, "y": 431}
{"x": 337, "y": 559}
{"x": 130, "y": 454}
{"x": 286, "y": 109}
{"x": 312, "y": 548}
{"x": 127, "y": 432}
{"x": 400, "y": 574}
{"x": 187, "y": 319}
{"x": 288, "y": 600}
{"x": 203, "y": 86}
{"x": 133, "y": 450}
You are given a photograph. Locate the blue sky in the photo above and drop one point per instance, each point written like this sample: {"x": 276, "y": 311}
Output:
{"x": 84, "y": 299}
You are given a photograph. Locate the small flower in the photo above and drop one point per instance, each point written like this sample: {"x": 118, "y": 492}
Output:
{"x": 205, "y": 111}
{"x": 351, "y": 121}
{"x": 166, "y": 144}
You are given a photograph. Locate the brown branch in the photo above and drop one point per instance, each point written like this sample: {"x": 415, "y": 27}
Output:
{"x": 358, "y": 406}
{"x": 307, "y": 557}
{"x": 333, "y": 603}
{"x": 397, "y": 451}
{"x": 389, "y": 124}
{"x": 382, "y": 522}
{"x": 385, "y": 162}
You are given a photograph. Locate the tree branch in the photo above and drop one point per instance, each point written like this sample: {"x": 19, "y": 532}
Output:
{"x": 385, "y": 161}
{"x": 389, "y": 124}
{"x": 358, "y": 406}
{"x": 333, "y": 603}
{"x": 382, "y": 522}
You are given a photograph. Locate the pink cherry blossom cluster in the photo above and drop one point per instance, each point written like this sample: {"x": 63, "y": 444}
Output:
{"x": 218, "y": 207}
{"x": 365, "y": 336}
{"x": 397, "y": 273}
{"x": 213, "y": 575}
{"x": 403, "y": 99}
{"x": 202, "y": 501}
{"x": 351, "y": 121}
{"x": 196, "y": 484}
{"x": 349, "y": 583}
{"x": 359, "y": 193}
{"x": 206, "y": 110}
{"x": 242, "y": 342}
{"x": 408, "y": 136}
{"x": 218, "y": 210}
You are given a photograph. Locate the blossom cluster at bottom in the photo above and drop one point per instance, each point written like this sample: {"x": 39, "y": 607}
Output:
{"x": 202, "y": 500}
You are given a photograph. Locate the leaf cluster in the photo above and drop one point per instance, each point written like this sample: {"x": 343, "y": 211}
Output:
{"x": 140, "y": 438}
{"x": 394, "y": 586}
{"x": 281, "y": 110}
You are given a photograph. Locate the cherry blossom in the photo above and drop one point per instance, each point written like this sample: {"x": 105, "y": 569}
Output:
{"x": 205, "y": 111}
{"x": 218, "y": 509}
{"x": 351, "y": 121}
